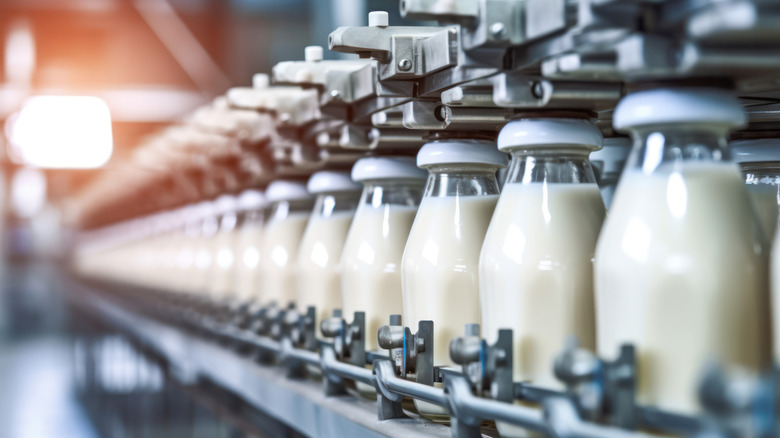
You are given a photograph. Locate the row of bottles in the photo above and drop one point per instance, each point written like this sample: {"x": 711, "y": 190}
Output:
{"x": 677, "y": 266}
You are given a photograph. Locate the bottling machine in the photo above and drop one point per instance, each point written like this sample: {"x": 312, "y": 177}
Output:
{"x": 485, "y": 63}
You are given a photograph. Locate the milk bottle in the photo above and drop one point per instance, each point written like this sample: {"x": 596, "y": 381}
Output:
{"x": 224, "y": 257}
{"x": 760, "y": 163}
{"x": 441, "y": 259}
{"x": 759, "y": 160}
{"x": 290, "y": 205}
{"x": 608, "y": 162}
{"x": 251, "y": 214}
{"x": 206, "y": 227}
{"x": 371, "y": 261}
{"x": 319, "y": 273}
{"x": 188, "y": 247}
{"x": 680, "y": 266}
{"x": 535, "y": 269}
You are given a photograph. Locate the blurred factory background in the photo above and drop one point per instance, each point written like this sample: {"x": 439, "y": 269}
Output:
{"x": 150, "y": 62}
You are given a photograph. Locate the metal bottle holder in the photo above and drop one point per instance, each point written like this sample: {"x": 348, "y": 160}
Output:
{"x": 348, "y": 346}
{"x": 409, "y": 354}
{"x": 297, "y": 331}
{"x": 601, "y": 389}
{"x": 740, "y": 405}
{"x": 488, "y": 368}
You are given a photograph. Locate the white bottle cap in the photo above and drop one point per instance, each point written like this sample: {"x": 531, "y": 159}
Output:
{"x": 312, "y": 53}
{"x": 385, "y": 168}
{"x": 461, "y": 152}
{"x": 759, "y": 150}
{"x": 225, "y": 204}
{"x": 713, "y": 108}
{"x": 204, "y": 209}
{"x": 285, "y": 190}
{"x": 328, "y": 181}
{"x": 250, "y": 200}
{"x": 549, "y": 131}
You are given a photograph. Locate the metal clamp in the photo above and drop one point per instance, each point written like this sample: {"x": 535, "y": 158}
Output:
{"x": 349, "y": 340}
{"x": 411, "y": 354}
{"x": 488, "y": 368}
{"x": 602, "y": 389}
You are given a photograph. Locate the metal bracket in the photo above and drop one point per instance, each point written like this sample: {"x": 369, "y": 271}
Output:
{"x": 601, "y": 389}
{"x": 402, "y": 52}
{"x": 410, "y": 353}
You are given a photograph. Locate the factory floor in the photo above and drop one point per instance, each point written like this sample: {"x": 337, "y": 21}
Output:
{"x": 37, "y": 396}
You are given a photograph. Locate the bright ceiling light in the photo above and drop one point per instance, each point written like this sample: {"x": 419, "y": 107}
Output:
{"x": 63, "y": 132}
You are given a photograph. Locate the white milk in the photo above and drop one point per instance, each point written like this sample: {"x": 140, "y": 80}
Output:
{"x": 319, "y": 273}
{"x": 440, "y": 266}
{"x": 281, "y": 241}
{"x": 223, "y": 265}
{"x": 371, "y": 265}
{"x": 200, "y": 278}
{"x": 680, "y": 272}
{"x": 775, "y": 281}
{"x": 247, "y": 272}
{"x": 536, "y": 272}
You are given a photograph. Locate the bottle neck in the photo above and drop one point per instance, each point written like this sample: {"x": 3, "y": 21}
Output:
{"x": 328, "y": 204}
{"x": 281, "y": 210}
{"x": 761, "y": 173}
{"x": 461, "y": 181}
{"x": 228, "y": 222}
{"x": 557, "y": 164}
{"x": 655, "y": 150}
{"x": 251, "y": 218}
{"x": 378, "y": 193}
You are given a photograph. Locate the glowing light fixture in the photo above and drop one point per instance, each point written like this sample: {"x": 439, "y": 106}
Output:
{"x": 65, "y": 132}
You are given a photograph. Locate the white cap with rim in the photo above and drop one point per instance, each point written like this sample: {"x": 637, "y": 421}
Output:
{"x": 527, "y": 133}
{"x": 387, "y": 168}
{"x": 286, "y": 190}
{"x": 759, "y": 150}
{"x": 251, "y": 199}
{"x": 704, "y": 108}
{"x": 461, "y": 152}
{"x": 329, "y": 181}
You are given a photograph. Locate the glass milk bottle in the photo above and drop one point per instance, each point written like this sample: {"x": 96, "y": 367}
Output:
{"x": 207, "y": 227}
{"x": 290, "y": 207}
{"x": 249, "y": 239}
{"x": 224, "y": 258}
{"x": 760, "y": 163}
{"x": 187, "y": 254}
{"x": 607, "y": 164}
{"x": 441, "y": 259}
{"x": 371, "y": 262}
{"x": 319, "y": 272}
{"x": 759, "y": 160}
{"x": 536, "y": 265}
{"x": 680, "y": 268}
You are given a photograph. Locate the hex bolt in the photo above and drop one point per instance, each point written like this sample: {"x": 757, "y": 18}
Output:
{"x": 405, "y": 64}
{"x": 378, "y": 19}
{"x": 498, "y": 30}
{"x": 537, "y": 90}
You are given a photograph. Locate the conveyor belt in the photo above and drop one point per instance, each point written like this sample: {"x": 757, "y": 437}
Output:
{"x": 301, "y": 404}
